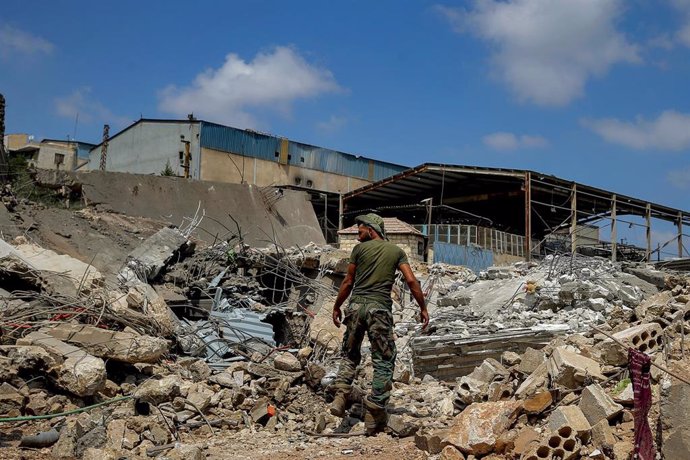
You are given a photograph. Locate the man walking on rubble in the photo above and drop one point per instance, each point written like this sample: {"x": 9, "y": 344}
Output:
{"x": 370, "y": 277}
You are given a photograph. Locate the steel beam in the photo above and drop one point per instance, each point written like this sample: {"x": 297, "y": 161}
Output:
{"x": 573, "y": 218}
{"x": 614, "y": 234}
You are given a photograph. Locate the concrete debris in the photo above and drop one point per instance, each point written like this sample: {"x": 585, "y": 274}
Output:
{"x": 475, "y": 430}
{"x": 597, "y": 405}
{"x": 570, "y": 370}
{"x": 230, "y": 341}
{"x": 119, "y": 346}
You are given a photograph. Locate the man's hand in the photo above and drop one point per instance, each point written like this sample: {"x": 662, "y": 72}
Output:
{"x": 337, "y": 316}
{"x": 423, "y": 318}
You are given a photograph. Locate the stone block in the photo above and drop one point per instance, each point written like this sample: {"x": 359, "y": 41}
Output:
{"x": 451, "y": 453}
{"x": 597, "y": 405}
{"x": 475, "y": 430}
{"x": 287, "y": 362}
{"x": 538, "y": 403}
{"x": 526, "y": 439}
{"x": 531, "y": 359}
{"x": 647, "y": 338}
{"x": 402, "y": 426}
{"x": 569, "y": 369}
{"x": 430, "y": 441}
{"x": 536, "y": 381}
{"x": 602, "y": 435}
{"x": 510, "y": 358}
{"x": 572, "y": 417}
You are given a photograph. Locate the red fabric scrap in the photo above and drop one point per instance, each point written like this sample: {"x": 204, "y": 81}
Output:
{"x": 639, "y": 364}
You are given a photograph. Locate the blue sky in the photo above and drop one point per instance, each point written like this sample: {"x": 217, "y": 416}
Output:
{"x": 589, "y": 90}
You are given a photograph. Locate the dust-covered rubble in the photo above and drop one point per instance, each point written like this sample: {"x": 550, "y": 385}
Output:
{"x": 228, "y": 340}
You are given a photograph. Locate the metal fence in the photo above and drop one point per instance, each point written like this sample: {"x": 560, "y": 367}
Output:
{"x": 473, "y": 257}
{"x": 472, "y": 235}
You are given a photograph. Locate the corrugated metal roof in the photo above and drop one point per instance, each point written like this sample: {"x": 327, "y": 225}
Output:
{"x": 239, "y": 141}
{"x": 240, "y": 324}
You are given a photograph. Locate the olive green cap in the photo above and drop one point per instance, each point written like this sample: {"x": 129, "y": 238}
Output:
{"x": 374, "y": 221}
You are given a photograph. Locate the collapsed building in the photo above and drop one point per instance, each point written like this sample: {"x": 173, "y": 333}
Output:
{"x": 152, "y": 340}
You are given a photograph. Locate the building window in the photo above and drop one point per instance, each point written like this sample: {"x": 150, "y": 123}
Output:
{"x": 420, "y": 248}
{"x": 59, "y": 158}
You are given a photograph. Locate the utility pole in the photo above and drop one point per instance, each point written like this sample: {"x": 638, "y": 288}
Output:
{"x": 4, "y": 163}
{"x": 187, "y": 156}
{"x": 104, "y": 146}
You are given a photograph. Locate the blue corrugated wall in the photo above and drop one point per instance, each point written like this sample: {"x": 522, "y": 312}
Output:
{"x": 262, "y": 146}
{"x": 473, "y": 257}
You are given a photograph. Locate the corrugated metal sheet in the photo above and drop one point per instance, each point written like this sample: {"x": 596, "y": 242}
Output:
{"x": 239, "y": 324}
{"x": 474, "y": 257}
{"x": 321, "y": 159}
{"x": 265, "y": 147}
{"x": 239, "y": 141}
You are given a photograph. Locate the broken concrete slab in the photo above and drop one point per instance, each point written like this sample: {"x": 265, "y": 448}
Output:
{"x": 79, "y": 373}
{"x": 403, "y": 425}
{"x": 475, "y": 430}
{"x": 144, "y": 298}
{"x": 431, "y": 440}
{"x": 530, "y": 360}
{"x": 149, "y": 259}
{"x": 119, "y": 346}
{"x": 322, "y": 331}
{"x": 537, "y": 380}
{"x": 675, "y": 423}
{"x": 597, "y": 405}
{"x": 602, "y": 435}
{"x": 569, "y": 369}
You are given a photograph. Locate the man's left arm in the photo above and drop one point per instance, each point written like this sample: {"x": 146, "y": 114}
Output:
{"x": 416, "y": 290}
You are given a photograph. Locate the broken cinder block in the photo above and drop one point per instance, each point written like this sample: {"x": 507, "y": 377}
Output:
{"x": 647, "y": 338}
{"x": 597, "y": 405}
{"x": 572, "y": 417}
{"x": 569, "y": 369}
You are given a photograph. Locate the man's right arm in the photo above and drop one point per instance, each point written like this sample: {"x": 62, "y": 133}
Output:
{"x": 344, "y": 293}
{"x": 416, "y": 291}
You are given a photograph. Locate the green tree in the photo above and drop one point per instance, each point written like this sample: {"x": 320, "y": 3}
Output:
{"x": 168, "y": 171}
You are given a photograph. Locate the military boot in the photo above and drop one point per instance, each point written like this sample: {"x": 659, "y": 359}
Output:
{"x": 375, "y": 417}
{"x": 341, "y": 402}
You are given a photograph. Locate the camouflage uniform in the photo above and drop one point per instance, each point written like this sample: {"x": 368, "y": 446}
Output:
{"x": 376, "y": 319}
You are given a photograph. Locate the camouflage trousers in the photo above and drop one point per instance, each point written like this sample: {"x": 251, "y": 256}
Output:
{"x": 376, "y": 320}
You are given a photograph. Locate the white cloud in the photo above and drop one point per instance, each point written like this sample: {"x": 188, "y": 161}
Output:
{"x": 546, "y": 50}
{"x": 683, "y": 8}
{"x": 89, "y": 109}
{"x": 670, "y": 131}
{"x": 273, "y": 80}
{"x": 509, "y": 141}
{"x": 334, "y": 123}
{"x": 679, "y": 178}
{"x": 15, "y": 41}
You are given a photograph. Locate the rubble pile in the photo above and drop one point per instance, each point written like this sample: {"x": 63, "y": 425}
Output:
{"x": 190, "y": 342}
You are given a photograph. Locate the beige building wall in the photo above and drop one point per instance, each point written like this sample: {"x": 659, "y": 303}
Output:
{"x": 227, "y": 167}
{"x": 16, "y": 141}
{"x": 49, "y": 154}
{"x": 408, "y": 243}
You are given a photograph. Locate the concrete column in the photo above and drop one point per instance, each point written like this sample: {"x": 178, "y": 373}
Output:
{"x": 614, "y": 233}
{"x": 679, "y": 224}
{"x": 573, "y": 219}
{"x": 648, "y": 220}
{"x": 340, "y": 211}
{"x": 528, "y": 216}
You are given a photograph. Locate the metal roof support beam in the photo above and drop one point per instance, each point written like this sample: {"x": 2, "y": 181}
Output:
{"x": 680, "y": 234}
{"x": 573, "y": 218}
{"x": 648, "y": 225}
{"x": 614, "y": 235}
{"x": 528, "y": 216}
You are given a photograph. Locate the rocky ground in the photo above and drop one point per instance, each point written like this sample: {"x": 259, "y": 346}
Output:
{"x": 125, "y": 338}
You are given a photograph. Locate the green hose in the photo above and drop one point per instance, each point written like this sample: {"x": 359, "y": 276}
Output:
{"x": 60, "y": 414}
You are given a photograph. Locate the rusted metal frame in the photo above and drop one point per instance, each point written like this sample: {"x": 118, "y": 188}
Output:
{"x": 679, "y": 225}
{"x": 573, "y": 219}
{"x": 614, "y": 233}
{"x": 528, "y": 215}
{"x": 648, "y": 225}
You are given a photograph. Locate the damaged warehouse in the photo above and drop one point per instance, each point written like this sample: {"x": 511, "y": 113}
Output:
{"x": 181, "y": 341}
